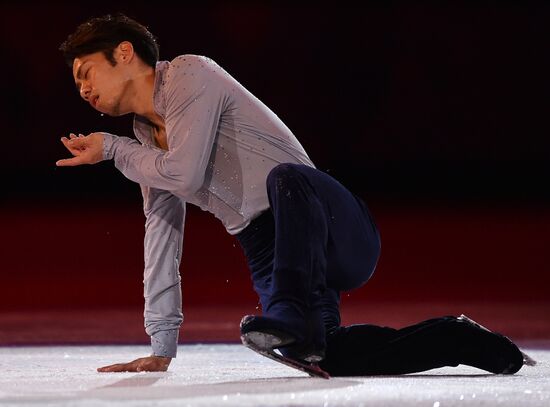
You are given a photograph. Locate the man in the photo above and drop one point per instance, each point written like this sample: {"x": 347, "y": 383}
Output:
{"x": 204, "y": 139}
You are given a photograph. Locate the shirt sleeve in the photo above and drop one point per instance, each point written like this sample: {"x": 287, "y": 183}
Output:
{"x": 195, "y": 96}
{"x": 164, "y": 224}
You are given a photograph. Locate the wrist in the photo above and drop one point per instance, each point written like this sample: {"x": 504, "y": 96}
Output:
{"x": 165, "y": 343}
{"x": 107, "y": 147}
{"x": 168, "y": 358}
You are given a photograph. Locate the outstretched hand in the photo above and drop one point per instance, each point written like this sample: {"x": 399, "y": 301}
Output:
{"x": 85, "y": 149}
{"x": 147, "y": 364}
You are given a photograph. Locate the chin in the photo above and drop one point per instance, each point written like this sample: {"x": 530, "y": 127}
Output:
{"x": 115, "y": 111}
{"x": 108, "y": 112}
{"x": 118, "y": 114}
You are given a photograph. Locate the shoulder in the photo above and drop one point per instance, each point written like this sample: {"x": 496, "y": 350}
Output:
{"x": 191, "y": 59}
{"x": 191, "y": 73}
{"x": 190, "y": 64}
{"x": 189, "y": 76}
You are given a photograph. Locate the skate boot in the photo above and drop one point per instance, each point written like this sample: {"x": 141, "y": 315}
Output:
{"x": 287, "y": 329}
{"x": 490, "y": 351}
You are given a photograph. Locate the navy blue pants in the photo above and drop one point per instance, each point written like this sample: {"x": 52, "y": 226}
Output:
{"x": 317, "y": 240}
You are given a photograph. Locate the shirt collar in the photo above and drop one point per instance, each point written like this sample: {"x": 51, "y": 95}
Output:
{"x": 159, "y": 100}
{"x": 142, "y": 126}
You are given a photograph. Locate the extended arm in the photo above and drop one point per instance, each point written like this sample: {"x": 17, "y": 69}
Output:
{"x": 165, "y": 216}
{"x": 164, "y": 224}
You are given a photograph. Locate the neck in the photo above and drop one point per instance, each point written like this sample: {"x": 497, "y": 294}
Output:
{"x": 142, "y": 96}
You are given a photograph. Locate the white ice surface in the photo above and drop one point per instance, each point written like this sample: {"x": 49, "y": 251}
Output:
{"x": 231, "y": 375}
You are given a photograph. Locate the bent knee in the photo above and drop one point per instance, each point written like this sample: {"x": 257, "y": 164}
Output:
{"x": 283, "y": 176}
{"x": 281, "y": 171}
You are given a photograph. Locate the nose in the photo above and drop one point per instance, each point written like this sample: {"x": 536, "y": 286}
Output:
{"x": 85, "y": 91}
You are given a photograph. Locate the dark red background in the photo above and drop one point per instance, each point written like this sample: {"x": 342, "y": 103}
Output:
{"x": 93, "y": 257}
{"x": 435, "y": 113}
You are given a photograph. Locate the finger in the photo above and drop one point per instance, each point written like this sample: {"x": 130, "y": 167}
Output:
{"x": 73, "y": 135}
{"x": 70, "y": 162}
{"x": 68, "y": 146}
{"x": 69, "y": 142}
{"x": 77, "y": 142}
{"x": 117, "y": 367}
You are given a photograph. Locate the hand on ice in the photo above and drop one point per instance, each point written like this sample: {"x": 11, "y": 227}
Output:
{"x": 147, "y": 364}
{"x": 85, "y": 149}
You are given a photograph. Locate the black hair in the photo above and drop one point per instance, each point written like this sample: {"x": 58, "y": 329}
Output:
{"x": 104, "y": 34}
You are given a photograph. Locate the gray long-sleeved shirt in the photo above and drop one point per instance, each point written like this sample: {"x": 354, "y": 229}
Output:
{"x": 222, "y": 143}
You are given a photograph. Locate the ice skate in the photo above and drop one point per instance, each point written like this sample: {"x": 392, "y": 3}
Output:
{"x": 513, "y": 358}
{"x": 272, "y": 333}
{"x": 263, "y": 335}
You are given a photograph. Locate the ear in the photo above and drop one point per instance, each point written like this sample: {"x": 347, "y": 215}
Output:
{"x": 124, "y": 52}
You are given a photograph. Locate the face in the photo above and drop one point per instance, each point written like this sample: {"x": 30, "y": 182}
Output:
{"x": 101, "y": 84}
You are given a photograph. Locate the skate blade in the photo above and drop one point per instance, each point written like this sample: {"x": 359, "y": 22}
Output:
{"x": 527, "y": 360}
{"x": 261, "y": 343}
{"x": 268, "y": 342}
